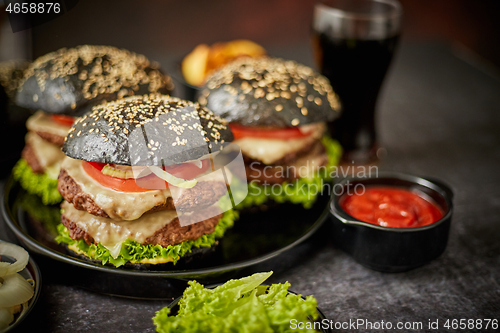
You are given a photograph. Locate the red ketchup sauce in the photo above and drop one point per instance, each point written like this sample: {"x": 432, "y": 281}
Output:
{"x": 391, "y": 207}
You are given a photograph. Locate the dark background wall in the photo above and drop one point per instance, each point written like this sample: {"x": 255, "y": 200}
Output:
{"x": 167, "y": 29}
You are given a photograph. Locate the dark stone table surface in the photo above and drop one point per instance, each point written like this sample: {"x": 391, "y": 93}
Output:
{"x": 439, "y": 116}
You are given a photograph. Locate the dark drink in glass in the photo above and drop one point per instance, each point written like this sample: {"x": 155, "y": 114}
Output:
{"x": 354, "y": 41}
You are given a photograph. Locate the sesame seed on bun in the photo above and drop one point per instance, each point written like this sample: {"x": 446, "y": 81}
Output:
{"x": 71, "y": 81}
{"x": 146, "y": 130}
{"x": 270, "y": 92}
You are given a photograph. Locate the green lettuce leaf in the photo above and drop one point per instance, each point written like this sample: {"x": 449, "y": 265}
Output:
{"x": 132, "y": 251}
{"x": 39, "y": 184}
{"x": 48, "y": 216}
{"x": 283, "y": 307}
{"x": 238, "y": 306}
{"x": 220, "y": 300}
{"x": 249, "y": 316}
{"x": 302, "y": 191}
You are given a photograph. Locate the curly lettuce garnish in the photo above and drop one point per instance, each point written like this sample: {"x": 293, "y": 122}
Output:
{"x": 48, "y": 216}
{"x": 132, "y": 251}
{"x": 39, "y": 184}
{"x": 238, "y": 306}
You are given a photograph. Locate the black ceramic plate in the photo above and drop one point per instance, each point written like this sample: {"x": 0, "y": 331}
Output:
{"x": 174, "y": 307}
{"x": 32, "y": 272}
{"x": 253, "y": 244}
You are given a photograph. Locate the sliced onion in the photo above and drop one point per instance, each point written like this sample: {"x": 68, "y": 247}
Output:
{"x": 6, "y": 317}
{"x": 198, "y": 163}
{"x": 115, "y": 249}
{"x": 14, "y": 290}
{"x": 125, "y": 171}
{"x": 171, "y": 179}
{"x": 16, "y": 252}
{"x": 308, "y": 129}
{"x": 137, "y": 170}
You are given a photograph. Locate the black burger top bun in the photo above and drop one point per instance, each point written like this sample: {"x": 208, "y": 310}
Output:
{"x": 11, "y": 73}
{"x": 146, "y": 130}
{"x": 270, "y": 92}
{"x": 71, "y": 81}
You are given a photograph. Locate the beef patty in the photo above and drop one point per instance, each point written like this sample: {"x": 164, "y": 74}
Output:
{"x": 171, "y": 234}
{"x": 204, "y": 194}
{"x": 52, "y": 138}
{"x": 28, "y": 154}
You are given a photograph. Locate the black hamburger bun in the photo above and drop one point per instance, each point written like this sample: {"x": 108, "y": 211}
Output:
{"x": 11, "y": 74}
{"x": 187, "y": 132}
{"x": 270, "y": 92}
{"x": 71, "y": 81}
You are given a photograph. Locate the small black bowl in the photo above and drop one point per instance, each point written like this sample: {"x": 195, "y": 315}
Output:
{"x": 388, "y": 249}
{"x": 31, "y": 271}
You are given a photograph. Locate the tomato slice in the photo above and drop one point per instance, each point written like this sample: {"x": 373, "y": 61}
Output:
{"x": 187, "y": 171}
{"x": 240, "y": 132}
{"x": 93, "y": 169}
{"x": 151, "y": 182}
{"x": 63, "y": 120}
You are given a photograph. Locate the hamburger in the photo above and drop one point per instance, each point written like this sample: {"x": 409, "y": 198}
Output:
{"x": 277, "y": 111}
{"x": 12, "y": 117}
{"x": 11, "y": 73}
{"x": 138, "y": 182}
{"x": 67, "y": 83}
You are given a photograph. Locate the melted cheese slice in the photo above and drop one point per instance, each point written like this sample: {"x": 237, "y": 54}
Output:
{"x": 269, "y": 151}
{"x": 111, "y": 233}
{"x": 127, "y": 205}
{"x": 42, "y": 122}
{"x": 48, "y": 155}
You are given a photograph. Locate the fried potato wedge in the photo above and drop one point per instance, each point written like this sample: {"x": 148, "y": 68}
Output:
{"x": 204, "y": 59}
